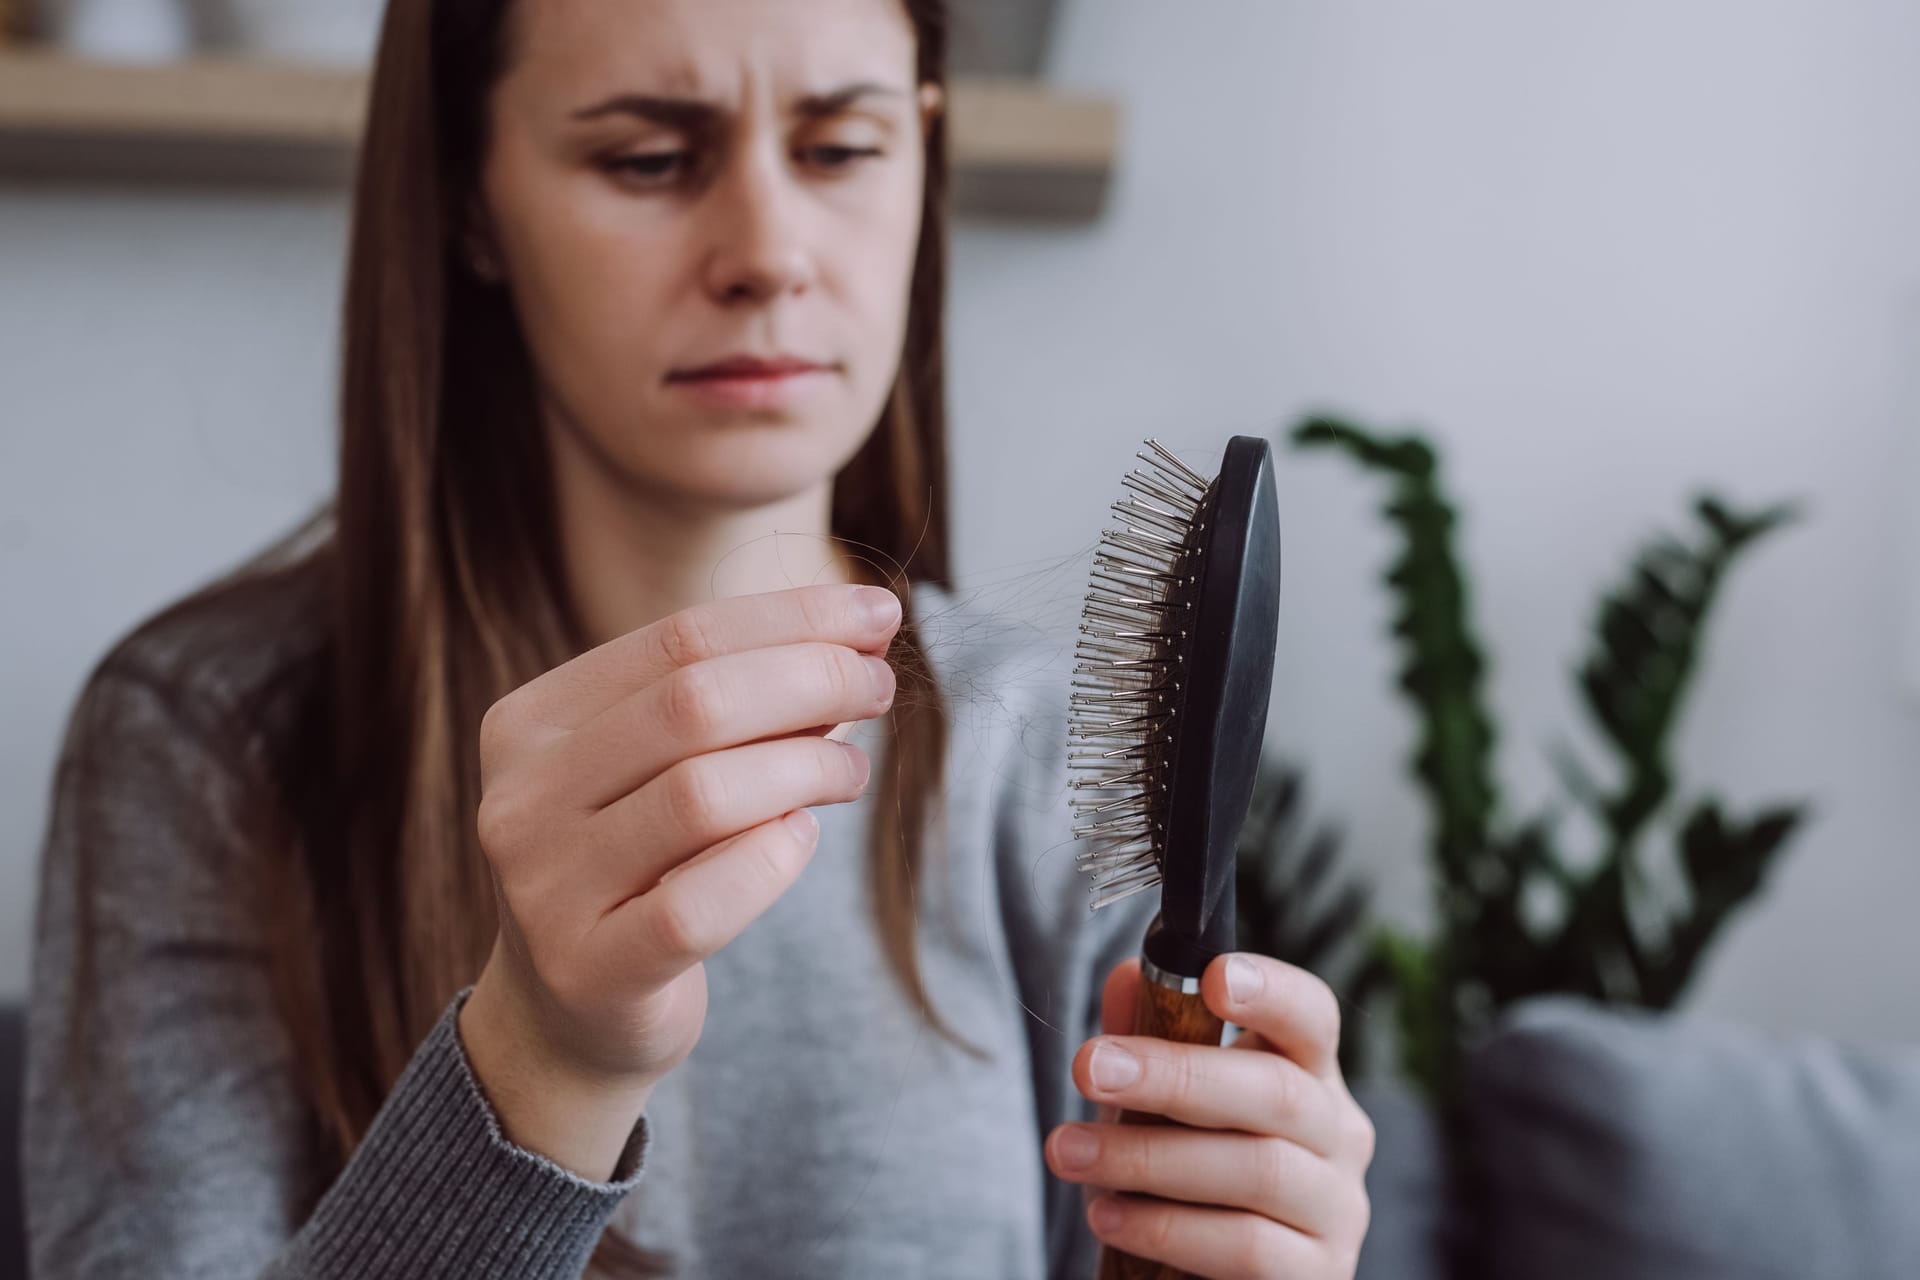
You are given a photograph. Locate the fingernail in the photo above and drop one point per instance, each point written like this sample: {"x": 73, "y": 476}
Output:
{"x": 859, "y": 763}
{"x": 1114, "y": 1068}
{"x": 1075, "y": 1148}
{"x": 803, "y": 825}
{"x": 882, "y": 676}
{"x": 1106, "y": 1214}
{"x": 879, "y": 606}
{"x": 1243, "y": 979}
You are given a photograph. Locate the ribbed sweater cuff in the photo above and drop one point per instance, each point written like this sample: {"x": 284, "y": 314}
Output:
{"x": 437, "y": 1189}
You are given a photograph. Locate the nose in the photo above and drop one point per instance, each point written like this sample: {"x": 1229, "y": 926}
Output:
{"x": 757, "y": 249}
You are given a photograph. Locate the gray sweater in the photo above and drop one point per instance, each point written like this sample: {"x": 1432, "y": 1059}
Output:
{"x": 818, "y": 1129}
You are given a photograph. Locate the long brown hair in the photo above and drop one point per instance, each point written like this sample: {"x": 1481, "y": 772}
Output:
{"x": 438, "y": 566}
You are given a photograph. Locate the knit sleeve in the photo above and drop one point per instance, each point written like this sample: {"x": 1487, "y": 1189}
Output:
{"x": 164, "y": 1132}
{"x": 438, "y": 1190}
{"x": 1062, "y": 949}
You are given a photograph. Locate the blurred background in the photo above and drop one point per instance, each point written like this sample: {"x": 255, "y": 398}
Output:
{"x": 1601, "y": 257}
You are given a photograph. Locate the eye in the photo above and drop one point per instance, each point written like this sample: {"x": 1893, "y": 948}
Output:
{"x": 648, "y": 166}
{"x": 829, "y": 156}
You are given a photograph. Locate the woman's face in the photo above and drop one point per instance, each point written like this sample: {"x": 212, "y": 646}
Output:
{"x": 673, "y": 183}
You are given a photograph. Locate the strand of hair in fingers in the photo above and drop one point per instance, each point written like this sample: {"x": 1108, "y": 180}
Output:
{"x": 1128, "y": 672}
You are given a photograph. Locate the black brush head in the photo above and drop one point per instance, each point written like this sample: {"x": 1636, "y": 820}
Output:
{"x": 1169, "y": 706}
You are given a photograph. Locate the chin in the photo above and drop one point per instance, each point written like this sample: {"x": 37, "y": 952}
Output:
{"x": 753, "y": 460}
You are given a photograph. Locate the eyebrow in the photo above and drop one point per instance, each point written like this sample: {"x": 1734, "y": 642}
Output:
{"x": 694, "y": 113}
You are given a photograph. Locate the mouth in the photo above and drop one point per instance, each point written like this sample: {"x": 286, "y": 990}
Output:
{"x": 753, "y": 382}
{"x": 741, "y": 367}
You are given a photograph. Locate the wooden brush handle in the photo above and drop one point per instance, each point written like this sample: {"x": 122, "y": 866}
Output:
{"x": 1183, "y": 1017}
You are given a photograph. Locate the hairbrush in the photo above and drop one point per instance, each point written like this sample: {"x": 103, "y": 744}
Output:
{"x": 1168, "y": 707}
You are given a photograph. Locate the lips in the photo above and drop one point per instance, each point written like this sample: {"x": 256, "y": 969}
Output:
{"x": 748, "y": 367}
{"x": 764, "y": 385}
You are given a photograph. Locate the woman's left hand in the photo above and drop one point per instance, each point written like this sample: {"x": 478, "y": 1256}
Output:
{"x": 1270, "y": 1179}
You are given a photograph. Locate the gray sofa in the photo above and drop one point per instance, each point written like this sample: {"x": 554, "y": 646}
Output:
{"x": 1621, "y": 1145}
{"x": 1618, "y": 1146}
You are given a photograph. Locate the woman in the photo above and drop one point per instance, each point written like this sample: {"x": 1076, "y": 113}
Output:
{"x": 390, "y": 880}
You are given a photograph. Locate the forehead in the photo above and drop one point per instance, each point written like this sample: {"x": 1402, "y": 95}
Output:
{"x": 722, "y": 50}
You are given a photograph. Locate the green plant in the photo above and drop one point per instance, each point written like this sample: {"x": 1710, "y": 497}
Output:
{"x": 1514, "y": 915}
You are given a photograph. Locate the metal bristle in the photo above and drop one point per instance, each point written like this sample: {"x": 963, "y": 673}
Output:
{"x": 1127, "y": 677}
{"x": 1172, "y": 466}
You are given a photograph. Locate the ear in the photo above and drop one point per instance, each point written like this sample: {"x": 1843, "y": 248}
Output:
{"x": 933, "y": 101}
{"x": 479, "y": 247}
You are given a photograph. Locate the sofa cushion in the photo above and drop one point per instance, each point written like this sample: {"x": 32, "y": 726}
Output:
{"x": 1624, "y": 1144}
{"x": 1410, "y": 1237}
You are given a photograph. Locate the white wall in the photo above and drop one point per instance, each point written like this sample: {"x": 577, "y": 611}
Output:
{"x": 165, "y": 362}
{"x": 1605, "y": 253}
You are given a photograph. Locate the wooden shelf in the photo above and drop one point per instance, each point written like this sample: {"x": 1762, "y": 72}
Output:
{"x": 1020, "y": 149}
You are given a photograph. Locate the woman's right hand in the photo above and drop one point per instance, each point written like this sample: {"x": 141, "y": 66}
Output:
{"x": 641, "y": 805}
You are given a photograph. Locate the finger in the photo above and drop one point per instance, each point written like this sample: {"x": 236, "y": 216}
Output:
{"x": 723, "y": 702}
{"x": 1355, "y": 1148}
{"x": 1228, "y": 1243}
{"x": 1269, "y": 1176}
{"x": 706, "y": 799}
{"x": 1215, "y": 1087}
{"x": 1107, "y": 1112}
{"x": 706, "y": 901}
{"x": 835, "y": 613}
{"x": 1118, "y": 999}
{"x": 1297, "y": 1013}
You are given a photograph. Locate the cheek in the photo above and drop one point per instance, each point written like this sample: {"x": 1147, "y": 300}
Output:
{"x": 588, "y": 315}
{"x": 587, "y": 291}
{"x": 882, "y": 272}
{"x": 583, "y": 282}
